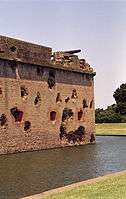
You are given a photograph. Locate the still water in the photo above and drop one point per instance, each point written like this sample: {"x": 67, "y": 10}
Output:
{"x": 29, "y": 173}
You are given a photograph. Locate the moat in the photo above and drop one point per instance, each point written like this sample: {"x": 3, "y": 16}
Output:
{"x": 29, "y": 173}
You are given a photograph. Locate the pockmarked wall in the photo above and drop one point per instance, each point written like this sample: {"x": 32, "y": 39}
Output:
{"x": 44, "y": 102}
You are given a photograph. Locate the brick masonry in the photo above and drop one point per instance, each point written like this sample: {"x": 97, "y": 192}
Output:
{"x": 34, "y": 92}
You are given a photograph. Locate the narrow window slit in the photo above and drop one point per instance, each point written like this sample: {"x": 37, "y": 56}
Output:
{"x": 52, "y": 115}
{"x": 85, "y": 103}
{"x": 0, "y": 91}
{"x": 37, "y": 99}
{"x": 80, "y": 114}
{"x": 91, "y": 104}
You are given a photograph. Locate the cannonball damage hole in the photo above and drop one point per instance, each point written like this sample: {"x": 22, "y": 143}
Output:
{"x": 17, "y": 114}
{"x": 13, "y": 48}
{"x": 51, "y": 79}
{"x": 74, "y": 94}
{"x": 72, "y": 136}
{"x": 67, "y": 99}
{"x": 58, "y": 98}
{"x": 52, "y": 115}
{"x": 67, "y": 113}
{"x": 13, "y": 65}
{"x": 92, "y": 138}
{"x": 3, "y": 120}
{"x": 24, "y": 92}
{"x": 27, "y": 125}
{"x": 37, "y": 99}
{"x": 39, "y": 71}
{"x": 0, "y": 91}
{"x": 85, "y": 103}
{"x": 80, "y": 114}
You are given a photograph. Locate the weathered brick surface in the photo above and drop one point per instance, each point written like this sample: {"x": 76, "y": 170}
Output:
{"x": 23, "y": 51}
{"x": 43, "y": 132}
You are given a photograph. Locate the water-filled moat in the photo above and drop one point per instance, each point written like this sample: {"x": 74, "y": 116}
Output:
{"x": 29, "y": 173}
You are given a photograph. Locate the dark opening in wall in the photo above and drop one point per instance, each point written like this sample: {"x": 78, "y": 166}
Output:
{"x": 3, "y": 120}
{"x": 85, "y": 103}
{"x": 91, "y": 104}
{"x": 13, "y": 65}
{"x": 51, "y": 79}
{"x": 24, "y": 92}
{"x": 1, "y": 50}
{"x": 39, "y": 71}
{"x": 13, "y": 48}
{"x": 89, "y": 79}
{"x": 67, "y": 99}
{"x": 72, "y": 136}
{"x": 67, "y": 113}
{"x": 74, "y": 94}
{"x": 80, "y": 114}
{"x": 92, "y": 138}
{"x": 58, "y": 98}
{"x": 17, "y": 114}
{"x": 27, "y": 125}
{"x": 37, "y": 99}
{"x": 52, "y": 115}
{"x": 0, "y": 91}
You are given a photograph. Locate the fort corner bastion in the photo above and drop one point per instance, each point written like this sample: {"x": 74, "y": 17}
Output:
{"x": 46, "y": 100}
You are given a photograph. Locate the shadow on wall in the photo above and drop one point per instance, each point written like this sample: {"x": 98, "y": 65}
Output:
{"x": 71, "y": 136}
{"x": 39, "y": 73}
{"x": 76, "y": 136}
{"x": 17, "y": 114}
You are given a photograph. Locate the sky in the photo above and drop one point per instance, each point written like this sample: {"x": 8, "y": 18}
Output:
{"x": 98, "y": 28}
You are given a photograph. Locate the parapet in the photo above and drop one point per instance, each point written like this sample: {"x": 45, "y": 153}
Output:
{"x": 13, "y": 49}
{"x": 70, "y": 60}
{"x": 25, "y": 52}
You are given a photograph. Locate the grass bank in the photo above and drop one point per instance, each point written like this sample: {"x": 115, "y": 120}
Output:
{"x": 111, "y": 129}
{"x": 110, "y": 187}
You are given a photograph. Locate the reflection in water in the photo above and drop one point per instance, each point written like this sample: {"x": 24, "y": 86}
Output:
{"x": 29, "y": 173}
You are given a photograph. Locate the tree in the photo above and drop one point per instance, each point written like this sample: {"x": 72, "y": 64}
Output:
{"x": 120, "y": 98}
{"x": 107, "y": 116}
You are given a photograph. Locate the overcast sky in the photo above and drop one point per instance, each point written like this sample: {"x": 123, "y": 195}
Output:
{"x": 96, "y": 27}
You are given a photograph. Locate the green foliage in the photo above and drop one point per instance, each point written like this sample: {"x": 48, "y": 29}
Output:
{"x": 116, "y": 112}
{"x": 120, "y": 98}
{"x": 107, "y": 116}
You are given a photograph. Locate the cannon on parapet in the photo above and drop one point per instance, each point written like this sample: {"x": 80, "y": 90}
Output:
{"x": 72, "y": 51}
{"x": 66, "y": 58}
{"x": 69, "y": 59}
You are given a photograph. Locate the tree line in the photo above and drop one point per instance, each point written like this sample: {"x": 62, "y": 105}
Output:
{"x": 114, "y": 113}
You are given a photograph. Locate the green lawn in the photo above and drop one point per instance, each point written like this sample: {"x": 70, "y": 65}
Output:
{"x": 111, "y": 129}
{"x": 111, "y": 188}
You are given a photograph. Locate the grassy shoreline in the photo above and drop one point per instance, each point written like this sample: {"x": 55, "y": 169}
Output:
{"x": 111, "y": 186}
{"x": 117, "y": 129}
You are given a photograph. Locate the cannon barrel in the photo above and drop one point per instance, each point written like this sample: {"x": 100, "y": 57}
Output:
{"x": 72, "y": 51}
